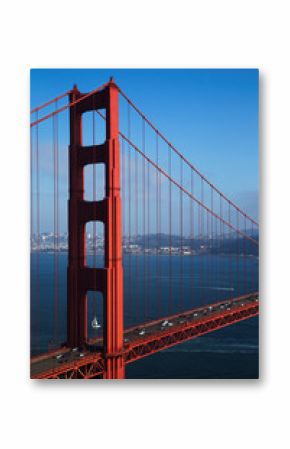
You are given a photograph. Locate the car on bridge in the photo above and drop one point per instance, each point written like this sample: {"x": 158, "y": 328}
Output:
{"x": 164, "y": 323}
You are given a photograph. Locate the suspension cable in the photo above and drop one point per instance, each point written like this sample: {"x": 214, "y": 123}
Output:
{"x": 73, "y": 103}
{"x": 48, "y": 103}
{"x": 184, "y": 158}
{"x": 163, "y": 172}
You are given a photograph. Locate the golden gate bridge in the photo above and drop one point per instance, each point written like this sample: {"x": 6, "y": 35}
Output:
{"x": 155, "y": 213}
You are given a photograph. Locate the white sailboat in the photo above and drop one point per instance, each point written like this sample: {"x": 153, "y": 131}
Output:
{"x": 95, "y": 323}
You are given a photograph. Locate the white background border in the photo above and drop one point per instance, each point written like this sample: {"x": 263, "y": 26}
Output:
{"x": 139, "y": 414}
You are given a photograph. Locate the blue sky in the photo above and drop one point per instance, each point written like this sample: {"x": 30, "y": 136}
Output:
{"x": 211, "y": 116}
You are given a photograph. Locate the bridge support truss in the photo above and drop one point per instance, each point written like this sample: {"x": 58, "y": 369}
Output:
{"x": 81, "y": 278}
{"x": 93, "y": 365}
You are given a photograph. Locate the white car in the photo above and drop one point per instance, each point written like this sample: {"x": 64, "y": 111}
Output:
{"x": 59, "y": 356}
{"x": 142, "y": 332}
{"x": 164, "y": 323}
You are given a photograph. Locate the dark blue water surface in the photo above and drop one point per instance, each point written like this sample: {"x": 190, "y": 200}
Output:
{"x": 154, "y": 287}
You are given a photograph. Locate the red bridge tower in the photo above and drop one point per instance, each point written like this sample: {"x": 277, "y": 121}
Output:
{"x": 81, "y": 278}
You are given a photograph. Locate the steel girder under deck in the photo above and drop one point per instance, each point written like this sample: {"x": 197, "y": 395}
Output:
{"x": 93, "y": 365}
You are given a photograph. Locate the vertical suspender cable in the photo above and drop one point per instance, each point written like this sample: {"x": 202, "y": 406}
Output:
{"x": 203, "y": 241}
{"x": 95, "y": 206}
{"x": 253, "y": 287}
{"x": 192, "y": 237}
{"x": 38, "y": 240}
{"x": 206, "y": 261}
{"x": 31, "y": 192}
{"x": 160, "y": 240}
{"x": 123, "y": 170}
{"x": 206, "y": 258}
{"x": 211, "y": 241}
{"x": 157, "y": 240}
{"x": 144, "y": 220}
{"x": 74, "y": 140}
{"x": 199, "y": 254}
{"x": 221, "y": 239}
{"x": 124, "y": 205}
{"x": 31, "y": 227}
{"x": 57, "y": 220}
{"x": 170, "y": 232}
{"x": 129, "y": 216}
{"x": 238, "y": 255}
{"x": 181, "y": 233}
{"x": 136, "y": 296}
{"x": 245, "y": 258}
{"x": 55, "y": 223}
{"x": 230, "y": 246}
{"x": 148, "y": 236}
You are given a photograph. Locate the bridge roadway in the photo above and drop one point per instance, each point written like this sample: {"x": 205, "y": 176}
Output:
{"x": 143, "y": 340}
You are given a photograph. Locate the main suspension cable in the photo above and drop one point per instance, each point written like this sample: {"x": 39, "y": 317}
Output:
{"x": 48, "y": 103}
{"x": 184, "y": 158}
{"x": 73, "y": 103}
{"x": 163, "y": 172}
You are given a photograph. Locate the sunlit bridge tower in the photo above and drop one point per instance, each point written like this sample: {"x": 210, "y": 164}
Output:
{"x": 81, "y": 278}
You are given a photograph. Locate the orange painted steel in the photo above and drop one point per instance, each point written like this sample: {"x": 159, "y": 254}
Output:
{"x": 81, "y": 279}
{"x": 182, "y": 333}
{"x": 66, "y": 106}
{"x": 94, "y": 365}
